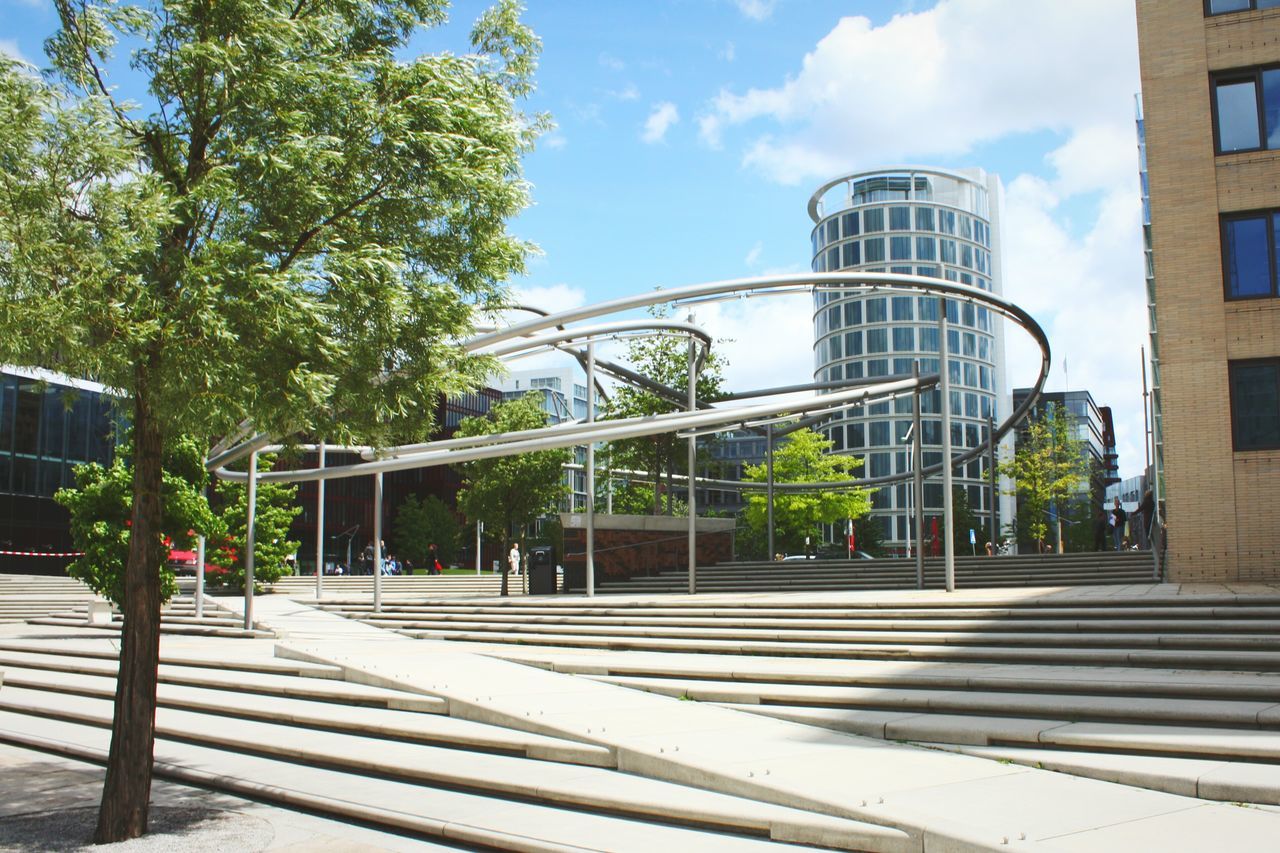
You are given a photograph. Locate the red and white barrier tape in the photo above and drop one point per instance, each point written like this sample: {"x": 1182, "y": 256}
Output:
{"x": 41, "y": 554}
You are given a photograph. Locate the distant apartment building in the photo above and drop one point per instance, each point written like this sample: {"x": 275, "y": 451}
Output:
{"x": 1210, "y": 131}
{"x": 564, "y": 398}
{"x": 918, "y": 221}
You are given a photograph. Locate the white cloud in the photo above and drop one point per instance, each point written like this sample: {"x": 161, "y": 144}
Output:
{"x": 753, "y": 256}
{"x": 928, "y": 84}
{"x": 660, "y": 120}
{"x": 756, "y": 10}
{"x": 555, "y": 141}
{"x": 626, "y": 93}
{"x": 728, "y": 53}
{"x": 550, "y": 297}
{"x": 10, "y": 48}
{"x": 760, "y": 340}
{"x": 613, "y": 63}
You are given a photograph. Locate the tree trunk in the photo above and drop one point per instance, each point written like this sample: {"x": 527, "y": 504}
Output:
{"x": 126, "y": 794}
{"x": 506, "y": 566}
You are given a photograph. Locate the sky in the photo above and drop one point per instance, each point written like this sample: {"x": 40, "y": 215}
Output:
{"x": 689, "y": 135}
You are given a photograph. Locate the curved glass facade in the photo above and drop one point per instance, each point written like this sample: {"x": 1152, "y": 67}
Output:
{"x": 919, "y": 222}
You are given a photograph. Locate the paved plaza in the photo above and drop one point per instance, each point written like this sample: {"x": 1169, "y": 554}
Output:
{"x": 1122, "y": 717}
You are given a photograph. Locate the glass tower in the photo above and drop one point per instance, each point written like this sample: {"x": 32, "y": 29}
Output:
{"x": 917, "y": 221}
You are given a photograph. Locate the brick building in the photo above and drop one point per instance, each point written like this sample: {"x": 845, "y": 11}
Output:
{"x": 1211, "y": 126}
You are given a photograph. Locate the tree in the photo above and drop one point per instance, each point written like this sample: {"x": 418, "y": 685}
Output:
{"x": 965, "y": 520}
{"x": 99, "y": 506}
{"x": 275, "y": 508}
{"x": 292, "y": 232}
{"x": 665, "y": 360}
{"x": 638, "y": 499}
{"x": 806, "y": 457}
{"x": 421, "y": 523}
{"x": 511, "y": 491}
{"x": 1048, "y": 468}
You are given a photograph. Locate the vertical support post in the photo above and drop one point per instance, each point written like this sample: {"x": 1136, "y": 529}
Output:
{"x": 693, "y": 453}
{"x": 1156, "y": 530}
{"x": 917, "y": 478}
{"x": 200, "y": 577}
{"x": 591, "y": 472}
{"x": 768, "y": 439}
{"x": 479, "y": 530}
{"x": 944, "y": 378}
{"x": 991, "y": 477}
{"x": 251, "y": 532}
{"x": 320, "y": 526}
{"x": 377, "y": 542}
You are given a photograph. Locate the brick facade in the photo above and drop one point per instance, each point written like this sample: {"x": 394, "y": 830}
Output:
{"x": 1221, "y": 506}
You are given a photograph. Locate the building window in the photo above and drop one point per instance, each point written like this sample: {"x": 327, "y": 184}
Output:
{"x": 899, "y": 219}
{"x": 1248, "y": 256}
{"x": 1246, "y": 110}
{"x": 1222, "y": 7}
{"x": 1255, "y": 404}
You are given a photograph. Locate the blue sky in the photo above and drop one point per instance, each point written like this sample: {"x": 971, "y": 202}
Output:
{"x": 690, "y": 134}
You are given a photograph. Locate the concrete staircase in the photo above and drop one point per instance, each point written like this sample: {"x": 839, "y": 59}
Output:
{"x": 24, "y": 597}
{"x": 401, "y": 586}
{"x": 1178, "y": 693}
{"x": 297, "y": 734}
{"x": 177, "y": 617}
{"x": 820, "y": 575}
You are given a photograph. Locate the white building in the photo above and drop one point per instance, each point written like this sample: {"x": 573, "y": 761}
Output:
{"x": 917, "y": 221}
{"x": 564, "y": 398}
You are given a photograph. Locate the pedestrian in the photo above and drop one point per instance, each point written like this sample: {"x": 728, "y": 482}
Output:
{"x": 1147, "y": 509}
{"x": 1100, "y": 526}
{"x": 1119, "y": 516}
{"x": 513, "y": 558}
{"x": 433, "y": 560}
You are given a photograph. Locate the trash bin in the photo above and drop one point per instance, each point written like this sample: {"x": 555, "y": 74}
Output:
{"x": 542, "y": 570}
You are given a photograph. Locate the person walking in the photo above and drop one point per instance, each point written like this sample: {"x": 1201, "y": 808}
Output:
{"x": 1147, "y": 511}
{"x": 1100, "y": 530}
{"x": 513, "y": 558}
{"x": 1119, "y": 516}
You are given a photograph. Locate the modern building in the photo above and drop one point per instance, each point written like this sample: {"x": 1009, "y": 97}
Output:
{"x": 921, "y": 221}
{"x": 1211, "y": 133}
{"x": 49, "y": 423}
{"x": 1091, "y": 424}
{"x": 564, "y": 398}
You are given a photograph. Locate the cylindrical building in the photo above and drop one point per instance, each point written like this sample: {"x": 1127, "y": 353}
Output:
{"x": 920, "y": 221}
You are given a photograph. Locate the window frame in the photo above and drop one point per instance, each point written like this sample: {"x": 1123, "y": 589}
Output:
{"x": 1253, "y": 7}
{"x": 1274, "y": 362}
{"x": 1269, "y": 218}
{"x": 1252, "y": 74}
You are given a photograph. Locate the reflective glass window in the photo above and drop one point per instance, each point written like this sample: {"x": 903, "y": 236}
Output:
{"x": 1247, "y": 256}
{"x": 924, "y": 218}
{"x": 984, "y": 349}
{"x": 873, "y": 250}
{"x": 902, "y": 308}
{"x": 928, "y": 339}
{"x": 877, "y": 340}
{"x": 947, "y": 221}
{"x": 1237, "y": 115}
{"x": 850, "y": 223}
{"x": 880, "y": 433}
{"x": 873, "y": 219}
{"x": 932, "y": 272}
{"x": 852, "y": 343}
{"x": 877, "y": 367}
{"x": 1255, "y": 404}
{"x": 902, "y": 270}
{"x": 926, "y": 249}
{"x": 857, "y": 435}
{"x": 853, "y": 370}
{"x": 902, "y": 366}
{"x": 928, "y": 308}
{"x": 970, "y": 345}
{"x": 948, "y": 248}
{"x": 900, "y": 248}
{"x": 833, "y": 229}
{"x": 966, "y": 227}
{"x": 966, "y": 255}
{"x": 1217, "y": 7}
{"x": 852, "y": 253}
{"x": 967, "y": 314}
{"x": 971, "y": 375}
{"x": 877, "y": 310}
{"x": 837, "y": 348}
{"x": 899, "y": 219}
{"x": 878, "y": 408}
{"x": 881, "y": 466}
{"x": 904, "y": 339}
{"x": 853, "y": 313}
{"x": 833, "y": 259}
{"x": 833, "y": 318}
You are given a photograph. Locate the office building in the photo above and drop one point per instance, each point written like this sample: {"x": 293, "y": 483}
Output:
{"x": 919, "y": 221}
{"x": 1211, "y": 136}
{"x": 564, "y": 398}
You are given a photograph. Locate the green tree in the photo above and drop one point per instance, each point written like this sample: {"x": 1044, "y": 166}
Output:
{"x": 665, "y": 360}
{"x": 965, "y": 520}
{"x": 805, "y": 457}
{"x": 100, "y": 508}
{"x": 275, "y": 508}
{"x": 509, "y": 492}
{"x": 422, "y": 522}
{"x": 293, "y": 231}
{"x": 1048, "y": 468}
{"x": 638, "y": 499}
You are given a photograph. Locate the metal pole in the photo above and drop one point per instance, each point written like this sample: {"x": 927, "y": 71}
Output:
{"x": 768, "y": 438}
{"x": 1156, "y": 536}
{"x": 991, "y": 476}
{"x": 693, "y": 453}
{"x": 251, "y": 532}
{"x": 479, "y": 530}
{"x": 377, "y": 542}
{"x": 320, "y": 527}
{"x": 591, "y": 472}
{"x": 917, "y": 479}
{"x": 948, "y": 546}
{"x": 199, "y": 577}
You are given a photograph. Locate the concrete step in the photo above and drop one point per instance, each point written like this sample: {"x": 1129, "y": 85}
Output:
{"x": 528, "y": 819}
{"x": 186, "y": 657}
{"x": 48, "y": 671}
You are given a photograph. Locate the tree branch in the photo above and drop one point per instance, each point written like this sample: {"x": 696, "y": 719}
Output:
{"x": 307, "y": 236}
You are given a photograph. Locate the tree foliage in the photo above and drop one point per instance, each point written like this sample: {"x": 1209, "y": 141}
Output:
{"x": 510, "y": 492}
{"x": 292, "y": 231}
{"x": 665, "y": 360}
{"x": 100, "y": 507}
{"x": 275, "y": 508}
{"x": 421, "y": 523}
{"x": 805, "y": 457}
{"x": 1048, "y": 468}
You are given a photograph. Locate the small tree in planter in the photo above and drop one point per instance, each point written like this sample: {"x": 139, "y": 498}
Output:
{"x": 275, "y": 511}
